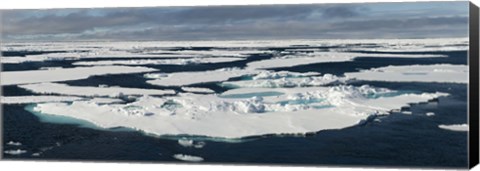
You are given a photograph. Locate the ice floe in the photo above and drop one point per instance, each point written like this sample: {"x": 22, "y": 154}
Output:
{"x": 444, "y": 73}
{"x": 324, "y": 57}
{"x": 289, "y": 111}
{"x": 189, "y": 158}
{"x": 455, "y": 127}
{"x": 37, "y": 99}
{"x": 99, "y": 100}
{"x": 64, "y": 74}
{"x": 262, "y": 75}
{"x": 166, "y": 49}
{"x": 190, "y": 143}
{"x": 188, "y": 78}
{"x": 15, "y": 152}
{"x": 197, "y": 90}
{"x": 64, "y": 89}
{"x": 286, "y": 82}
{"x": 160, "y": 62}
{"x": 12, "y": 143}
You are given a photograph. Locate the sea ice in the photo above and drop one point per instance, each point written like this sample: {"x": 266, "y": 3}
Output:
{"x": 190, "y": 143}
{"x": 295, "y": 111}
{"x": 323, "y": 57}
{"x": 189, "y": 158}
{"x": 14, "y": 143}
{"x": 64, "y": 74}
{"x": 188, "y": 78}
{"x": 286, "y": 82}
{"x": 263, "y": 75}
{"x": 63, "y": 89}
{"x": 197, "y": 90}
{"x": 161, "y": 61}
{"x": 15, "y": 152}
{"x": 443, "y": 73}
{"x": 455, "y": 127}
{"x": 37, "y": 99}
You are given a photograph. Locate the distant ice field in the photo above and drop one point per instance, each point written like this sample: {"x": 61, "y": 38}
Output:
{"x": 213, "y": 93}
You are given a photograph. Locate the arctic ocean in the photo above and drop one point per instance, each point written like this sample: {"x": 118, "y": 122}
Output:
{"x": 399, "y": 102}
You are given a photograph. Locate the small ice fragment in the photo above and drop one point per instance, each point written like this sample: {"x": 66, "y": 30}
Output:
{"x": 455, "y": 127}
{"x": 14, "y": 143}
{"x": 189, "y": 158}
{"x": 15, "y": 152}
{"x": 185, "y": 142}
{"x": 407, "y": 112}
{"x": 199, "y": 144}
{"x": 190, "y": 143}
{"x": 430, "y": 114}
{"x": 36, "y": 154}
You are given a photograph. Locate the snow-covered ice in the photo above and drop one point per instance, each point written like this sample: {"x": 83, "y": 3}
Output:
{"x": 324, "y": 57}
{"x": 190, "y": 143}
{"x": 63, "y": 89}
{"x": 64, "y": 74}
{"x": 304, "y": 110}
{"x": 37, "y": 99}
{"x": 190, "y": 158}
{"x": 15, "y": 152}
{"x": 286, "y": 82}
{"x": 13, "y": 143}
{"x": 443, "y": 73}
{"x": 197, "y": 90}
{"x": 188, "y": 78}
{"x": 455, "y": 127}
{"x": 160, "y": 61}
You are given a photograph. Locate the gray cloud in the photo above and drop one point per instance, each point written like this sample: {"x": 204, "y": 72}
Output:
{"x": 342, "y": 12}
{"x": 230, "y": 22}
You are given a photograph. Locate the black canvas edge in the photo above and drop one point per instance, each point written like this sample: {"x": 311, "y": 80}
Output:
{"x": 473, "y": 87}
{"x": 1, "y": 90}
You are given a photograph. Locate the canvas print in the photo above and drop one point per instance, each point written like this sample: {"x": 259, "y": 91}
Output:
{"x": 360, "y": 84}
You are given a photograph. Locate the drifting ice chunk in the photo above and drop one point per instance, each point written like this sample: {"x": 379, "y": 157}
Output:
{"x": 15, "y": 152}
{"x": 430, "y": 114}
{"x": 159, "y": 62}
{"x": 188, "y": 78}
{"x": 197, "y": 90}
{"x": 49, "y": 88}
{"x": 14, "y": 143}
{"x": 185, "y": 142}
{"x": 190, "y": 143}
{"x": 286, "y": 82}
{"x": 324, "y": 57}
{"x": 64, "y": 74}
{"x": 281, "y": 74}
{"x": 415, "y": 73}
{"x": 37, "y": 99}
{"x": 455, "y": 127}
{"x": 189, "y": 158}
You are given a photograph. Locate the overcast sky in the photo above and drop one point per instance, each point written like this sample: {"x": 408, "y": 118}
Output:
{"x": 363, "y": 20}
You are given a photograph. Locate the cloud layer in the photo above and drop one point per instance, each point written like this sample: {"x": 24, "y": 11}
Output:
{"x": 368, "y": 20}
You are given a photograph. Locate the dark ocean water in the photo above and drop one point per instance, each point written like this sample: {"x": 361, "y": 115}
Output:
{"x": 395, "y": 140}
